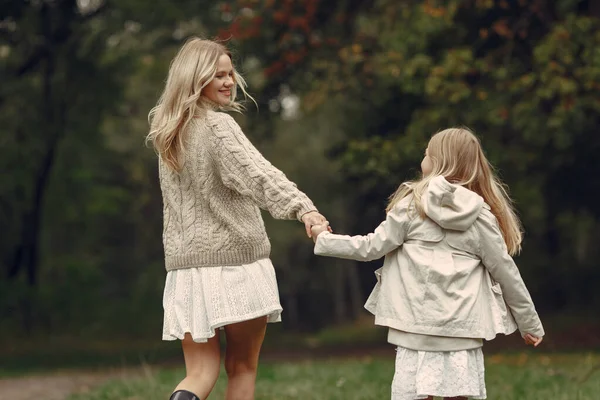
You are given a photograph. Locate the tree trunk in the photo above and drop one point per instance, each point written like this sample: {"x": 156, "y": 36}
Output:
{"x": 595, "y": 8}
{"x": 356, "y": 296}
{"x": 339, "y": 292}
{"x": 291, "y": 310}
{"x": 52, "y": 125}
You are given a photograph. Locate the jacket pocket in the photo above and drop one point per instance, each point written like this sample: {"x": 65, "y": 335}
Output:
{"x": 378, "y": 274}
{"x": 499, "y": 300}
{"x": 374, "y": 297}
{"x": 502, "y": 317}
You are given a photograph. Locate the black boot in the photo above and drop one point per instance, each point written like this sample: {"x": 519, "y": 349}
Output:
{"x": 183, "y": 395}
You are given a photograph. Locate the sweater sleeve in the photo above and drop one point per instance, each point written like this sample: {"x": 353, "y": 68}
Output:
{"x": 243, "y": 168}
{"x": 503, "y": 269}
{"x": 388, "y": 236}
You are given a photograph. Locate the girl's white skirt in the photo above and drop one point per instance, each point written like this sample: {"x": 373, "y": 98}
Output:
{"x": 438, "y": 373}
{"x": 201, "y": 300}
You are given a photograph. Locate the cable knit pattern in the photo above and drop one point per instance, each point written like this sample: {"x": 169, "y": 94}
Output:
{"x": 211, "y": 207}
{"x": 245, "y": 170}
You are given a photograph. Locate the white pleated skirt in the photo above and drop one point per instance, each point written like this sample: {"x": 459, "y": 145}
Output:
{"x": 202, "y": 300}
{"x": 420, "y": 374}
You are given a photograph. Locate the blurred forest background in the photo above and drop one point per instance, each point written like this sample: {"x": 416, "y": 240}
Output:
{"x": 349, "y": 91}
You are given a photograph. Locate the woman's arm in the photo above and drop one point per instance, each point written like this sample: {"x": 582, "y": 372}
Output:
{"x": 388, "y": 236}
{"x": 243, "y": 169}
{"x": 503, "y": 269}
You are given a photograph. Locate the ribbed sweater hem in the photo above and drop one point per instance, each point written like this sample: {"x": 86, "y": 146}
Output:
{"x": 218, "y": 259}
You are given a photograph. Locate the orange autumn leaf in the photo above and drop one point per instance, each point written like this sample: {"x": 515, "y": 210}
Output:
{"x": 502, "y": 29}
{"x": 568, "y": 103}
{"x": 290, "y": 57}
{"x": 434, "y": 11}
{"x": 299, "y": 22}
{"x": 280, "y": 17}
{"x": 274, "y": 68}
{"x": 523, "y": 33}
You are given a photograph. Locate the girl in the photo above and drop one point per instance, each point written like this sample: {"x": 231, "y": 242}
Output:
{"x": 447, "y": 240}
{"x": 213, "y": 181}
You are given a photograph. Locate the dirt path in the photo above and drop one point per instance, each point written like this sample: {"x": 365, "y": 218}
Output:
{"x": 59, "y": 385}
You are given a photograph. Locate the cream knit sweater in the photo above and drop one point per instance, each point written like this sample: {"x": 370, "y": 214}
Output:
{"x": 211, "y": 207}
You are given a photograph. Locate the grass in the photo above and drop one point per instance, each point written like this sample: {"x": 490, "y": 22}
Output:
{"x": 520, "y": 376}
{"x": 570, "y": 332}
{"x": 44, "y": 354}
{"x": 60, "y": 353}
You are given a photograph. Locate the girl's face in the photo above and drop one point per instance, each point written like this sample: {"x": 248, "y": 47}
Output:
{"x": 426, "y": 164}
{"x": 219, "y": 89}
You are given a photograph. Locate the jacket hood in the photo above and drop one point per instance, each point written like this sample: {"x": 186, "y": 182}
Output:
{"x": 451, "y": 206}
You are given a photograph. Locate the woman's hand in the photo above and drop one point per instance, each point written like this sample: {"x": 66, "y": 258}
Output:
{"x": 533, "y": 340}
{"x": 312, "y": 218}
{"x": 316, "y": 230}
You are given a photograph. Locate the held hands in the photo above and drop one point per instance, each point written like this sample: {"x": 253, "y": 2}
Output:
{"x": 316, "y": 230}
{"x": 311, "y": 219}
{"x": 532, "y": 340}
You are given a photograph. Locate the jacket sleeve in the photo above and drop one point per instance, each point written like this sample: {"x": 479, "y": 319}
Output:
{"x": 243, "y": 168}
{"x": 503, "y": 270}
{"x": 388, "y": 236}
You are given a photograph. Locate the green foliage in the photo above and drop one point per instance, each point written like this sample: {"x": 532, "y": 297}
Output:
{"x": 375, "y": 80}
{"x": 525, "y": 82}
{"x": 76, "y": 254}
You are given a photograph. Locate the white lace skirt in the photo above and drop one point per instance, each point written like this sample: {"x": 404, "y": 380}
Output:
{"x": 201, "y": 300}
{"x": 420, "y": 374}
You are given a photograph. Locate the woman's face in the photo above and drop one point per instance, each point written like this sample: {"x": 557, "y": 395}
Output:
{"x": 426, "y": 164}
{"x": 219, "y": 89}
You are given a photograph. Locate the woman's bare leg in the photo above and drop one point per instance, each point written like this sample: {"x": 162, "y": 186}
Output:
{"x": 244, "y": 341}
{"x": 202, "y": 364}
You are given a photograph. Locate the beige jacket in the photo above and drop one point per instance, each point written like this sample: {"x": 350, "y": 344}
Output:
{"x": 448, "y": 275}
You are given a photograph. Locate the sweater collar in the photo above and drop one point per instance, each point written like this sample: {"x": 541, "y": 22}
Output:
{"x": 207, "y": 103}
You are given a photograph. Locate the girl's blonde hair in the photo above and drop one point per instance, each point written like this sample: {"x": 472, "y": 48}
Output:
{"x": 194, "y": 66}
{"x": 456, "y": 154}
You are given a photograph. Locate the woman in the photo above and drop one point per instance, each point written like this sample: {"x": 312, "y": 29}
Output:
{"x": 213, "y": 183}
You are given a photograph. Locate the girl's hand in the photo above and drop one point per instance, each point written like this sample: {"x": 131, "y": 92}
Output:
{"x": 316, "y": 230}
{"x": 312, "y": 218}
{"x": 533, "y": 340}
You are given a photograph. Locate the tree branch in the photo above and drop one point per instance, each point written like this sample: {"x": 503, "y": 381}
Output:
{"x": 42, "y": 51}
{"x": 8, "y": 36}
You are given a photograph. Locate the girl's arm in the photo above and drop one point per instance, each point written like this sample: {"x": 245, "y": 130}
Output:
{"x": 245, "y": 170}
{"x": 503, "y": 269}
{"x": 388, "y": 236}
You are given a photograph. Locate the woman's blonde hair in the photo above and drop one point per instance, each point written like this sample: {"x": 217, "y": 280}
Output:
{"x": 456, "y": 154}
{"x": 194, "y": 66}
